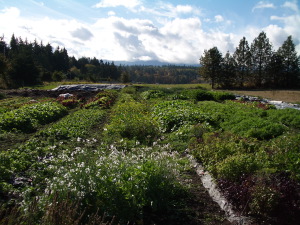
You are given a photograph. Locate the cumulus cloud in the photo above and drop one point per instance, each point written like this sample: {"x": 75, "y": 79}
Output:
{"x": 263, "y": 5}
{"x": 111, "y": 13}
{"x": 115, "y": 3}
{"x": 169, "y": 10}
{"x": 291, "y": 5}
{"x": 291, "y": 26}
{"x": 82, "y": 33}
{"x": 176, "y": 40}
{"x": 219, "y": 18}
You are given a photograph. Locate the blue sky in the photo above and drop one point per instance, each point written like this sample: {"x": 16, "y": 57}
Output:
{"x": 175, "y": 31}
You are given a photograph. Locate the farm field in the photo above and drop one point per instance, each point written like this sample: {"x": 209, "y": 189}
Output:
{"x": 125, "y": 157}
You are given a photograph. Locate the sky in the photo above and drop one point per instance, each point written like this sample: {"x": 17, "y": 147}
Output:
{"x": 174, "y": 31}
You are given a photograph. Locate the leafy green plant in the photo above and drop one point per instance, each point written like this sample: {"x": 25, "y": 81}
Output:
{"x": 264, "y": 200}
{"x": 104, "y": 99}
{"x": 288, "y": 117}
{"x": 133, "y": 121}
{"x": 27, "y": 117}
{"x": 256, "y": 127}
{"x": 152, "y": 94}
{"x": 74, "y": 125}
{"x": 173, "y": 114}
{"x": 118, "y": 183}
{"x": 235, "y": 166}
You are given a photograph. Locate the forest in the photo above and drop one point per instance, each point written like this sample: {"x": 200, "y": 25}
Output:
{"x": 23, "y": 63}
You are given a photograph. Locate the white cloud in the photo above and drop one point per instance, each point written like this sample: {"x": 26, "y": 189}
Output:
{"x": 219, "y": 18}
{"x": 111, "y": 13}
{"x": 263, "y": 5}
{"x": 291, "y": 27}
{"x": 291, "y": 5}
{"x": 184, "y": 9}
{"x": 115, "y": 3}
{"x": 169, "y": 10}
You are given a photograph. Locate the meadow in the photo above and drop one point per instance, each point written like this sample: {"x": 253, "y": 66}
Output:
{"x": 125, "y": 157}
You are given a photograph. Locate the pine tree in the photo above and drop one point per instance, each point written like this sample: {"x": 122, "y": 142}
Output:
{"x": 211, "y": 65}
{"x": 228, "y": 75}
{"x": 242, "y": 57}
{"x": 290, "y": 64}
{"x": 275, "y": 69}
{"x": 261, "y": 52}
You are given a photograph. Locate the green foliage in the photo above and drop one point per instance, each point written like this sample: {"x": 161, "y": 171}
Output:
{"x": 288, "y": 117}
{"x": 132, "y": 120}
{"x": 117, "y": 183}
{"x": 264, "y": 200}
{"x": 102, "y": 100}
{"x": 27, "y": 117}
{"x": 173, "y": 114}
{"x": 2, "y": 96}
{"x": 152, "y": 94}
{"x": 74, "y": 125}
{"x": 256, "y": 127}
{"x": 221, "y": 96}
{"x": 235, "y": 166}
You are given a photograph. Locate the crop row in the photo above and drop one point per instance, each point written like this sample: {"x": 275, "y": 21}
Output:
{"x": 247, "y": 148}
{"x": 26, "y": 118}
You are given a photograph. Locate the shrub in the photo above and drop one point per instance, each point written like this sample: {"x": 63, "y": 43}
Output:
{"x": 236, "y": 166}
{"x": 2, "y": 96}
{"x": 198, "y": 94}
{"x": 264, "y": 200}
{"x": 221, "y": 96}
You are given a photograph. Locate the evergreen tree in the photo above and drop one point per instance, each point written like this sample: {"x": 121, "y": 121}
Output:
{"x": 228, "y": 75}
{"x": 290, "y": 63}
{"x": 275, "y": 69}
{"x": 261, "y": 52}
{"x": 211, "y": 65}
{"x": 242, "y": 57}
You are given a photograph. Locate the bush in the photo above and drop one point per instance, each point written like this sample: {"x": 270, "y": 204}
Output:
{"x": 221, "y": 96}
{"x": 198, "y": 95}
{"x": 2, "y": 96}
{"x": 264, "y": 200}
{"x": 236, "y": 166}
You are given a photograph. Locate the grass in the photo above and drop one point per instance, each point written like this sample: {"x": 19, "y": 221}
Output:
{"x": 291, "y": 96}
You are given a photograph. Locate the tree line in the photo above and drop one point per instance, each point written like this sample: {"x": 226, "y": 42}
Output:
{"x": 24, "y": 63}
{"x": 253, "y": 66}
